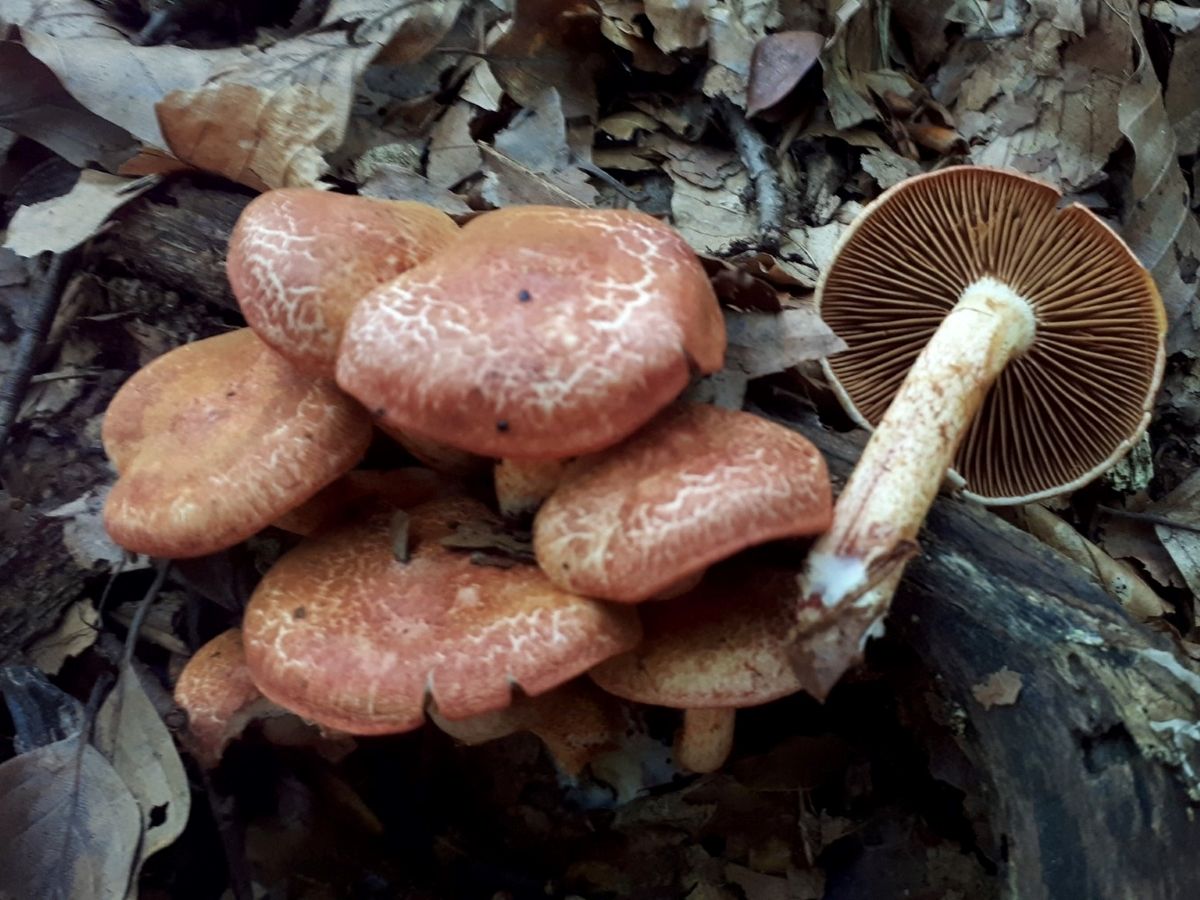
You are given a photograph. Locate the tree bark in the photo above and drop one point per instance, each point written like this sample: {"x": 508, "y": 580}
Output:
{"x": 1092, "y": 775}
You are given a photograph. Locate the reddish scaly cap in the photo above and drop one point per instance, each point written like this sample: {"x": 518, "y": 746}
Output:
{"x": 695, "y": 486}
{"x": 343, "y": 634}
{"x": 721, "y": 646}
{"x": 215, "y": 690}
{"x": 300, "y": 259}
{"x": 541, "y": 333}
{"x": 216, "y": 439}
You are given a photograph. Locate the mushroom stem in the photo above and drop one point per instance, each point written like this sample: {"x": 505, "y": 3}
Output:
{"x": 880, "y": 511}
{"x": 705, "y": 739}
{"x": 522, "y": 484}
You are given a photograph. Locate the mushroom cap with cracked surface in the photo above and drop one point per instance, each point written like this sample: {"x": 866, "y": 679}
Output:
{"x": 216, "y": 439}
{"x": 722, "y": 645}
{"x": 1066, "y": 408}
{"x": 300, "y": 259}
{"x": 344, "y": 634}
{"x": 540, "y": 333}
{"x": 694, "y": 486}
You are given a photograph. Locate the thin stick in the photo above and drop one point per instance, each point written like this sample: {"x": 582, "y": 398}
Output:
{"x": 1152, "y": 518}
{"x": 768, "y": 186}
{"x": 33, "y": 334}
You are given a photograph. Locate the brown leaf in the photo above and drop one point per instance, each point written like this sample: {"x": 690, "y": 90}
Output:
{"x": 764, "y": 343}
{"x": 393, "y": 183}
{"x": 1182, "y": 505}
{"x": 61, "y": 18}
{"x": 70, "y": 826}
{"x": 678, "y": 24}
{"x": 507, "y": 182}
{"x": 779, "y": 62}
{"x": 453, "y": 156}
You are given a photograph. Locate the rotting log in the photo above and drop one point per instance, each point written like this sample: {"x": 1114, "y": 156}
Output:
{"x": 1092, "y": 775}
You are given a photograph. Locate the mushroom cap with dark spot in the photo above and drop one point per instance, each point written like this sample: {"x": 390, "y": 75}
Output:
{"x": 378, "y": 636}
{"x": 541, "y": 333}
{"x": 216, "y": 439}
{"x": 300, "y": 259}
{"x": 695, "y": 486}
{"x": 1060, "y": 413}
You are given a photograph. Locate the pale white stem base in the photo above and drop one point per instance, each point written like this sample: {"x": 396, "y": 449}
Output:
{"x": 522, "y": 485}
{"x": 878, "y": 514}
{"x": 705, "y": 739}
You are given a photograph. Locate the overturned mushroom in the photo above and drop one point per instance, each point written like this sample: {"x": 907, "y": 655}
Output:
{"x": 300, "y": 259}
{"x": 989, "y": 330}
{"x": 345, "y": 634}
{"x": 216, "y": 439}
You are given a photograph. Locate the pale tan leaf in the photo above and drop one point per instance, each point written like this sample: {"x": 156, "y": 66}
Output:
{"x": 482, "y": 89}
{"x": 61, "y": 18}
{"x": 130, "y": 734}
{"x": 35, "y": 105}
{"x": 1183, "y": 100}
{"x": 1180, "y": 17}
{"x": 393, "y": 183}
{"x": 77, "y": 631}
{"x": 423, "y": 24}
{"x": 1182, "y": 505}
{"x": 1159, "y": 226}
{"x": 121, "y": 82}
{"x": 507, "y": 182}
{"x": 762, "y": 343}
{"x": 453, "y": 155}
{"x": 67, "y": 221}
{"x": 70, "y": 826}
{"x": 679, "y": 24}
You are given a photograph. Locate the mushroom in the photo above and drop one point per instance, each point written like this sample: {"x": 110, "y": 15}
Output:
{"x": 398, "y": 488}
{"x": 216, "y": 439}
{"x": 991, "y": 329}
{"x": 695, "y": 486}
{"x": 346, "y": 635}
{"x": 220, "y": 700}
{"x": 547, "y": 333}
{"x": 720, "y": 648}
{"x": 300, "y": 259}
{"x": 575, "y": 722}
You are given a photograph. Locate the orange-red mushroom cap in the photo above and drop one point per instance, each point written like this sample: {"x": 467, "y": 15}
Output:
{"x": 216, "y": 439}
{"x": 345, "y": 635}
{"x": 695, "y": 486}
{"x": 300, "y": 259}
{"x": 541, "y": 333}
{"x": 721, "y": 646}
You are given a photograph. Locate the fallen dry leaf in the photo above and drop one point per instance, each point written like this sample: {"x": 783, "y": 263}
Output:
{"x": 507, "y": 182}
{"x": 85, "y": 536}
{"x": 35, "y": 105}
{"x": 64, "y": 222}
{"x": 1001, "y": 688}
{"x": 70, "y": 825}
{"x": 764, "y": 343}
{"x": 77, "y": 631}
{"x": 392, "y": 183}
{"x": 1159, "y": 225}
{"x": 678, "y": 24}
{"x": 130, "y": 734}
{"x": 453, "y": 156}
{"x": 779, "y": 62}
{"x": 61, "y": 18}
{"x": 1182, "y": 505}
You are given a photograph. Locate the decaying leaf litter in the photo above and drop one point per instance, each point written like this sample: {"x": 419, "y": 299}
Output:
{"x": 760, "y": 129}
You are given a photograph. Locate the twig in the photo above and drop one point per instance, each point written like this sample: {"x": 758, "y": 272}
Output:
{"x": 29, "y": 342}
{"x": 144, "y": 605}
{"x": 768, "y": 186}
{"x": 1151, "y": 518}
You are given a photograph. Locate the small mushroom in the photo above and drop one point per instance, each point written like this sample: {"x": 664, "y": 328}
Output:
{"x": 989, "y": 328}
{"x": 396, "y": 488}
{"x": 576, "y": 722}
{"x": 220, "y": 700}
{"x": 720, "y": 648}
{"x": 300, "y": 259}
{"x": 697, "y": 485}
{"x": 215, "y": 440}
{"x": 346, "y": 635}
{"x": 547, "y": 333}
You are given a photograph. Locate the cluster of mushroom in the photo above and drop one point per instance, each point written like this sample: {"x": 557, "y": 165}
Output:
{"x": 554, "y": 341}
